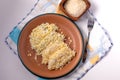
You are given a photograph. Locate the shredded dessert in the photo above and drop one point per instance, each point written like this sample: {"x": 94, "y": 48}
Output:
{"x": 49, "y": 44}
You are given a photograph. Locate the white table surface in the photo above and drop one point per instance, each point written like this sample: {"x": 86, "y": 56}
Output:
{"x": 106, "y": 11}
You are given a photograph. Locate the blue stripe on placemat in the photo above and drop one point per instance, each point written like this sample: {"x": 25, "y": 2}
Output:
{"x": 15, "y": 34}
{"x": 46, "y": 5}
{"x": 41, "y": 79}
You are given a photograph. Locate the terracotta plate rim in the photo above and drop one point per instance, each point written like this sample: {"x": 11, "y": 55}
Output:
{"x": 71, "y": 69}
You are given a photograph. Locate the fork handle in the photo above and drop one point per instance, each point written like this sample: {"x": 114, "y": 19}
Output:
{"x": 85, "y": 50}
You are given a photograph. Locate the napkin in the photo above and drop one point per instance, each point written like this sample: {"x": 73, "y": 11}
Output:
{"x": 100, "y": 42}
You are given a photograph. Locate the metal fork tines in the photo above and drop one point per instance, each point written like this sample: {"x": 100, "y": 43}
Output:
{"x": 90, "y": 24}
{"x": 90, "y": 27}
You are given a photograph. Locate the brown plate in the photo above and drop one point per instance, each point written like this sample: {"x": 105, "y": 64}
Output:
{"x": 27, "y": 55}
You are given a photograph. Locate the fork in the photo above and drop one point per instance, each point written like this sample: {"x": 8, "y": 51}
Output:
{"x": 90, "y": 27}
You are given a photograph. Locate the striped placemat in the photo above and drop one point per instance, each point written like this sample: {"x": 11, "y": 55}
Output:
{"x": 99, "y": 45}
